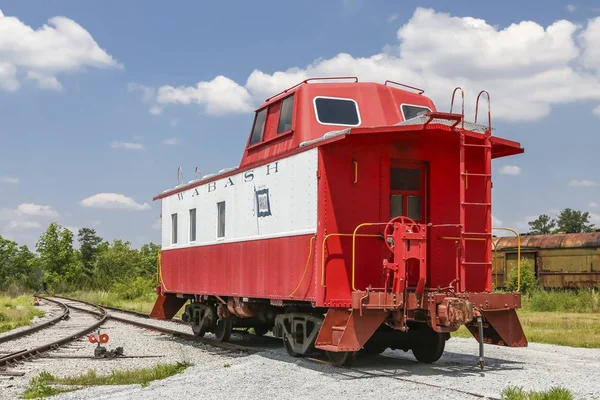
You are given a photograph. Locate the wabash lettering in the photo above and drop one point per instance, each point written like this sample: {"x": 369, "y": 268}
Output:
{"x": 249, "y": 176}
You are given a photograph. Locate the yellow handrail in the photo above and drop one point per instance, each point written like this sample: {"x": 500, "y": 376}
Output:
{"x": 495, "y": 246}
{"x": 323, "y": 250}
{"x": 354, "y": 246}
{"x": 518, "y": 255}
{"x": 159, "y": 269}
{"x": 310, "y": 249}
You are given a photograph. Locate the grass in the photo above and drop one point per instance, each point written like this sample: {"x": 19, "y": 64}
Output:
{"x": 42, "y": 385}
{"x": 559, "y": 317}
{"x": 17, "y": 311}
{"x": 518, "y": 393}
{"x": 141, "y": 304}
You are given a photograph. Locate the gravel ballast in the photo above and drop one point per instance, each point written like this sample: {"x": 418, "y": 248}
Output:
{"x": 271, "y": 373}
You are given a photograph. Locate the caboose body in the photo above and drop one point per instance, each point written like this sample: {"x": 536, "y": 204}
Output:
{"x": 358, "y": 219}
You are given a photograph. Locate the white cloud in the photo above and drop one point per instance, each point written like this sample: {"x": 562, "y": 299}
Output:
{"x": 156, "y": 225}
{"x": 510, "y": 170}
{"x": 36, "y": 210}
{"x": 61, "y": 46}
{"x": 595, "y": 218}
{"x": 392, "y": 18}
{"x": 174, "y": 122}
{"x": 22, "y": 225}
{"x": 593, "y": 204}
{"x": 96, "y": 222}
{"x": 147, "y": 92}
{"x": 526, "y": 67}
{"x": 171, "y": 141}
{"x": 113, "y": 201}
{"x": 524, "y": 223}
{"x": 571, "y": 7}
{"x": 581, "y": 183}
{"x": 496, "y": 223}
{"x": 8, "y": 179}
{"x": 596, "y": 111}
{"x": 73, "y": 229}
{"x": 219, "y": 96}
{"x": 590, "y": 38}
{"x": 127, "y": 145}
{"x": 156, "y": 110}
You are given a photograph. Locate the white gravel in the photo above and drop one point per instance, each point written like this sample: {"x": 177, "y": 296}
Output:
{"x": 217, "y": 373}
{"x": 273, "y": 374}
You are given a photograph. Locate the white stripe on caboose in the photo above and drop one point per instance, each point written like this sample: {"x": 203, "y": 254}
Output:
{"x": 291, "y": 183}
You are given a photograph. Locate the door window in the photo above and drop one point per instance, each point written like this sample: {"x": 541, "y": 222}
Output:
{"x": 407, "y": 191}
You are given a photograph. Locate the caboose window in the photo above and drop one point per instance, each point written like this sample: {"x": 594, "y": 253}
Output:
{"x": 286, "y": 114}
{"x": 173, "y": 228}
{"x": 193, "y": 225}
{"x": 335, "y": 111}
{"x": 409, "y": 111}
{"x": 221, "y": 219}
{"x": 259, "y": 127}
{"x": 405, "y": 179}
{"x": 407, "y": 190}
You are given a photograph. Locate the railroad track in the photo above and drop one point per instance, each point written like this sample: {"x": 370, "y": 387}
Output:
{"x": 105, "y": 313}
{"x": 22, "y": 339}
{"x": 153, "y": 327}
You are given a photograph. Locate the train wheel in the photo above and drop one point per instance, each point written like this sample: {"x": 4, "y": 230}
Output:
{"x": 289, "y": 347}
{"x": 341, "y": 358}
{"x": 223, "y": 329}
{"x": 430, "y": 346}
{"x": 198, "y": 328}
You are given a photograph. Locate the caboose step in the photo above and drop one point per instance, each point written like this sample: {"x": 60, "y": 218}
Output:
{"x": 347, "y": 330}
{"x": 166, "y": 307}
{"x": 500, "y": 327}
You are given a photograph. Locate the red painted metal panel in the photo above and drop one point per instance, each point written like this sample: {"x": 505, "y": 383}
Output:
{"x": 268, "y": 268}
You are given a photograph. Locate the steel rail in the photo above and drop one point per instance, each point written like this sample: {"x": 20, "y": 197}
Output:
{"x": 172, "y": 332}
{"x": 25, "y": 355}
{"x": 237, "y": 347}
{"x": 390, "y": 376}
{"x": 116, "y": 309}
{"x": 37, "y": 327}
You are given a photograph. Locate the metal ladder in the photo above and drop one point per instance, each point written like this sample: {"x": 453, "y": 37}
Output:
{"x": 485, "y": 203}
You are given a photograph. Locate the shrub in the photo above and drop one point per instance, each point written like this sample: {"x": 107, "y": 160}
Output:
{"x": 133, "y": 288}
{"x": 583, "y": 300}
{"x": 528, "y": 280}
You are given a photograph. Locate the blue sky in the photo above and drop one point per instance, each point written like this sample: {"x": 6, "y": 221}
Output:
{"x": 100, "y": 106}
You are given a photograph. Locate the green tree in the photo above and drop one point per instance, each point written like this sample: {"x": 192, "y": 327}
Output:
{"x": 149, "y": 254}
{"x": 543, "y": 225}
{"x": 88, "y": 248}
{"x": 57, "y": 258}
{"x": 528, "y": 279}
{"x": 574, "y": 221}
{"x": 116, "y": 263}
{"x": 16, "y": 265}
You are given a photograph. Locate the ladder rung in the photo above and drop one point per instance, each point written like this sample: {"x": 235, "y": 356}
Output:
{"x": 476, "y": 204}
{"x": 471, "y": 174}
{"x": 478, "y": 263}
{"x": 476, "y": 145}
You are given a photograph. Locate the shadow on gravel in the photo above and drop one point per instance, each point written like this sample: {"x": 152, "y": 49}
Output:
{"x": 398, "y": 364}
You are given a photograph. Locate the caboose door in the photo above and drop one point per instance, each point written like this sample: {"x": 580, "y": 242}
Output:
{"x": 407, "y": 190}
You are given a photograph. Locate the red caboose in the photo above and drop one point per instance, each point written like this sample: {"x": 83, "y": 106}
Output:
{"x": 359, "y": 219}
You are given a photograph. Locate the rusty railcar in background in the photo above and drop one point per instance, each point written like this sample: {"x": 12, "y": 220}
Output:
{"x": 564, "y": 260}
